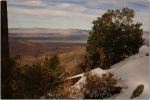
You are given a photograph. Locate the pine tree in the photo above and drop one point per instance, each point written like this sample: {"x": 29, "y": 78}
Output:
{"x": 117, "y": 34}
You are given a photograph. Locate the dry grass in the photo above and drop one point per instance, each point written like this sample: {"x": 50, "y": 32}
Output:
{"x": 70, "y": 60}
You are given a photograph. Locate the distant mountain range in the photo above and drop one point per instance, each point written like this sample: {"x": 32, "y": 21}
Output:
{"x": 49, "y": 34}
{"x": 74, "y": 35}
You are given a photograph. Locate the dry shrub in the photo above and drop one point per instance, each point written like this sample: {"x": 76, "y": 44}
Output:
{"x": 97, "y": 87}
{"x": 64, "y": 89}
{"x": 85, "y": 64}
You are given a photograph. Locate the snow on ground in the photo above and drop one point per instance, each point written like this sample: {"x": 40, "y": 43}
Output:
{"x": 144, "y": 49}
{"x": 134, "y": 71}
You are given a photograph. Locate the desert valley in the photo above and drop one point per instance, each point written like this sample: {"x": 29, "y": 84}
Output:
{"x": 34, "y": 44}
{"x": 75, "y": 49}
{"x": 69, "y": 44}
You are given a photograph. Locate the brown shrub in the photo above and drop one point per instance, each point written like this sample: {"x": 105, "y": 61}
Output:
{"x": 96, "y": 87}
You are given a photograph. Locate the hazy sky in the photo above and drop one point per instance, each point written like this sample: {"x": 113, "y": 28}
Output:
{"x": 76, "y": 14}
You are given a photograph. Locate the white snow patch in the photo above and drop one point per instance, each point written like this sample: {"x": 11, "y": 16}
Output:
{"x": 144, "y": 49}
{"x": 134, "y": 70}
{"x": 97, "y": 71}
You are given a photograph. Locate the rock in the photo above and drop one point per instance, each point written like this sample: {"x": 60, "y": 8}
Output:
{"x": 138, "y": 91}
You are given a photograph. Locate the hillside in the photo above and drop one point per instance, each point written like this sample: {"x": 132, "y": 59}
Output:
{"x": 32, "y": 43}
{"x": 71, "y": 60}
{"x": 37, "y": 48}
{"x": 133, "y": 70}
{"x": 33, "y": 52}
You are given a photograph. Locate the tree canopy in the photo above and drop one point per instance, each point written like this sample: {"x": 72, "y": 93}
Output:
{"x": 117, "y": 34}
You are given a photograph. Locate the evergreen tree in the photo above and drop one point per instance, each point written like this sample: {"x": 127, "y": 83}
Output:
{"x": 118, "y": 35}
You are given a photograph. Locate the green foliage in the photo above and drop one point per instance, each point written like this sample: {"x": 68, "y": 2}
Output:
{"x": 34, "y": 81}
{"x": 52, "y": 62}
{"x": 117, "y": 34}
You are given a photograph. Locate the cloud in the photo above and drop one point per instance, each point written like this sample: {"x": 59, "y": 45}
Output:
{"x": 36, "y": 3}
{"x": 70, "y": 13}
{"x": 64, "y": 9}
{"x": 32, "y": 3}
